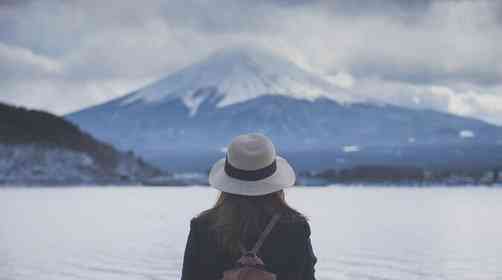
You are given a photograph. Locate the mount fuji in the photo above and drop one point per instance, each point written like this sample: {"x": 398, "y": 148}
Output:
{"x": 183, "y": 121}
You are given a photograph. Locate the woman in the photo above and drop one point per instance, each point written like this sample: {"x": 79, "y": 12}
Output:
{"x": 251, "y": 179}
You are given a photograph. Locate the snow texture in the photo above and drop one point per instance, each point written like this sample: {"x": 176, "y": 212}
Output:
{"x": 31, "y": 163}
{"x": 466, "y": 134}
{"x": 25, "y": 164}
{"x": 357, "y": 233}
{"x": 351, "y": 149}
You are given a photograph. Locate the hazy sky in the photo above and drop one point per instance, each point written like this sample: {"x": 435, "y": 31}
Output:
{"x": 445, "y": 55}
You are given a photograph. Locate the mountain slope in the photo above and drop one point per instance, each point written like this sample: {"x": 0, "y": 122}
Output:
{"x": 183, "y": 121}
{"x": 40, "y": 148}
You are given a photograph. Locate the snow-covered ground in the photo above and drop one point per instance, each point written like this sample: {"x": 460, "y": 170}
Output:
{"x": 358, "y": 233}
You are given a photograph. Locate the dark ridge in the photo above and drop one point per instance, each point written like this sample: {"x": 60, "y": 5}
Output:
{"x": 23, "y": 126}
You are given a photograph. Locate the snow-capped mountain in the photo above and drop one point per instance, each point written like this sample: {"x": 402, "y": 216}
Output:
{"x": 238, "y": 75}
{"x": 184, "y": 121}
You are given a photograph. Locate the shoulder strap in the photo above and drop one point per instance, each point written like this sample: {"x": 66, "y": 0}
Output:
{"x": 263, "y": 235}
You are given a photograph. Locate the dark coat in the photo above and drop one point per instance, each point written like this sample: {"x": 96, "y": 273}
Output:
{"x": 287, "y": 252}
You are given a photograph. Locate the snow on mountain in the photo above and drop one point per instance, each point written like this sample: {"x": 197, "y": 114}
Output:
{"x": 351, "y": 149}
{"x": 466, "y": 134}
{"x": 238, "y": 75}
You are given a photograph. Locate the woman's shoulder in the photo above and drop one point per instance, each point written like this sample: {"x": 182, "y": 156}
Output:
{"x": 203, "y": 222}
{"x": 199, "y": 220}
{"x": 298, "y": 225}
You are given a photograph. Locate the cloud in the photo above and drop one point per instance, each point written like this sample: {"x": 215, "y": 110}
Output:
{"x": 61, "y": 96}
{"x": 442, "y": 55}
{"x": 19, "y": 63}
{"x": 453, "y": 41}
{"x": 342, "y": 80}
{"x": 462, "y": 100}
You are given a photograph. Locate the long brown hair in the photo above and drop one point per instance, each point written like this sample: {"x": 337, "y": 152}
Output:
{"x": 238, "y": 218}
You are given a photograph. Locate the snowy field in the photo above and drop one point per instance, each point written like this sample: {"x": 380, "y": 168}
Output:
{"x": 357, "y": 233}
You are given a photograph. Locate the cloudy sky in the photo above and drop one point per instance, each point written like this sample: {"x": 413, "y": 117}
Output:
{"x": 65, "y": 55}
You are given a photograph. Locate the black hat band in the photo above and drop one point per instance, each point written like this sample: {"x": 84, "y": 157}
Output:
{"x": 250, "y": 175}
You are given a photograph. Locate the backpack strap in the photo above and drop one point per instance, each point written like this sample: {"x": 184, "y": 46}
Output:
{"x": 263, "y": 235}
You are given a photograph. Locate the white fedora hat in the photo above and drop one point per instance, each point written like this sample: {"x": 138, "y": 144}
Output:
{"x": 251, "y": 167}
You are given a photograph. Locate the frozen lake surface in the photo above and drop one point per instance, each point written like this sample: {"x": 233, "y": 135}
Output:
{"x": 357, "y": 233}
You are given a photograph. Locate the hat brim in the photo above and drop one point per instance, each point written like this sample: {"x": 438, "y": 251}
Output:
{"x": 282, "y": 178}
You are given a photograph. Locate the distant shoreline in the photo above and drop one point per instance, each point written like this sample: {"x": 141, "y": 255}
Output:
{"x": 332, "y": 185}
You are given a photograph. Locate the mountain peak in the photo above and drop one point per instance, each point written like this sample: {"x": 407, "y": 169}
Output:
{"x": 236, "y": 75}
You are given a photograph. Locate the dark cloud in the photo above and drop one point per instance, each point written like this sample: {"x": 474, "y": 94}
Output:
{"x": 402, "y": 9}
{"x": 12, "y": 3}
{"x": 224, "y": 16}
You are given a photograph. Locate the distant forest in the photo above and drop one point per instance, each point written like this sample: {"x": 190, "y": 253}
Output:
{"x": 387, "y": 174}
{"x": 22, "y": 126}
